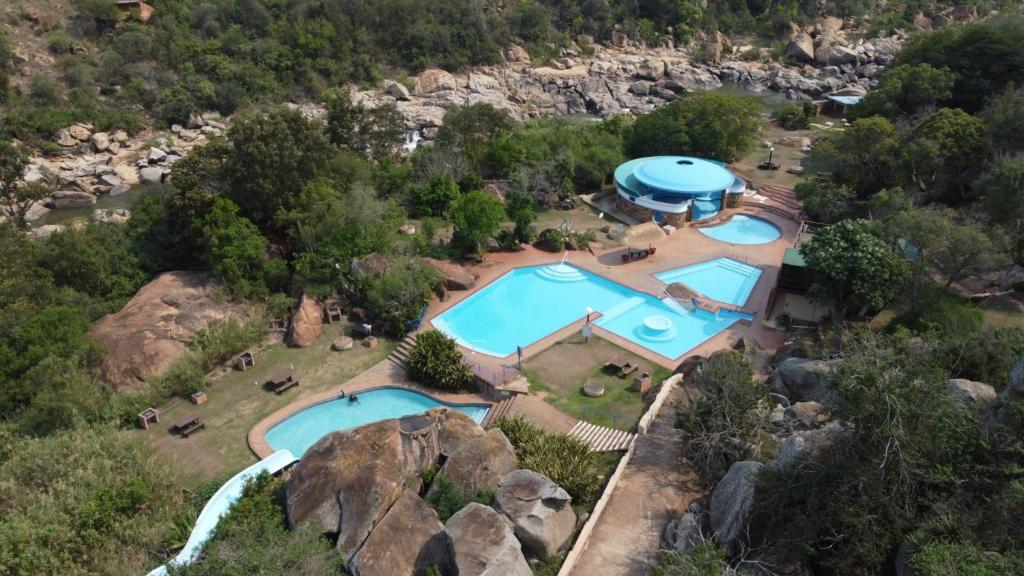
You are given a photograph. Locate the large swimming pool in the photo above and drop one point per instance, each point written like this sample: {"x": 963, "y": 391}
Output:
{"x": 722, "y": 279}
{"x": 527, "y": 304}
{"x": 743, "y": 229}
{"x": 301, "y": 430}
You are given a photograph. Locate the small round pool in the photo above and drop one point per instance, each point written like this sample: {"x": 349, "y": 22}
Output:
{"x": 743, "y": 229}
{"x": 301, "y": 430}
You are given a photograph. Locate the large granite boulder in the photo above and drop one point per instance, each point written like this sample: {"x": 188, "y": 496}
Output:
{"x": 348, "y": 480}
{"x": 434, "y": 80}
{"x": 732, "y": 503}
{"x": 802, "y": 379}
{"x": 481, "y": 542}
{"x": 807, "y": 445}
{"x": 801, "y": 47}
{"x": 829, "y": 54}
{"x": 970, "y": 394}
{"x": 455, "y": 429}
{"x": 72, "y": 199}
{"x": 540, "y": 510}
{"x": 684, "y": 533}
{"x": 149, "y": 334}
{"x": 480, "y": 463}
{"x": 455, "y": 277}
{"x": 307, "y": 323}
{"x": 406, "y": 541}
{"x": 650, "y": 69}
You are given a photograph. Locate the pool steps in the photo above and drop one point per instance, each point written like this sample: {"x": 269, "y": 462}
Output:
{"x": 560, "y": 273}
{"x": 619, "y": 309}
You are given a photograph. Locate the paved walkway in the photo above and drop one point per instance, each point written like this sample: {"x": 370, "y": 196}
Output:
{"x": 655, "y": 488}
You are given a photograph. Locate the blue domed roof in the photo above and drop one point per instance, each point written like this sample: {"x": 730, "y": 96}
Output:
{"x": 683, "y": 174}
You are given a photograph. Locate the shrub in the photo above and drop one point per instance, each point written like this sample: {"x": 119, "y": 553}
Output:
{"x": 795, "y": 117}
{"x": 706, "y": 559}
{"x": 565, "y": 460}
{"x": 436, "y": 361}
{"x": 447, "y": 498}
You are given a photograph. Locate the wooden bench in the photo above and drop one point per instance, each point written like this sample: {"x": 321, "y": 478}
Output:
{"x": 188, "y": 426}
{"x": 280, "y": 382}
{"x": 640, "y": 254}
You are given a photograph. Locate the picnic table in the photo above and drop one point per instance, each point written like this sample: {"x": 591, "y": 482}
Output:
{"x": 188, "y": 426}
{"x": 621, "y": 366}
{"x": 638, "y": 254}
{"x": 281, "y": 381}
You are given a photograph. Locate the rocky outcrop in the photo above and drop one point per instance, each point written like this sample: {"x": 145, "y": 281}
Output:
{"x": 801, "y": 47}
{"x": 434, "y": 80}
{"x": 456, "y": 429}
{"x": 804, "y": 413}
{"x": 72, "y": 199}
{"x": 307, "y": 323}
{"x": 116, "y": 216}
{"x": 802, "y": 379}
{"x": 406, "y": 541}
{"x": 540, "y": 510}
{"x": 481, "y": 542}
{"x": 684, "y": 533}
{"x": 348, "y": 480}
{"x": 480, "y": 463}
{"x": 149, "y": 334}
{"x": 455, "y": 277}
{"x": 807, "y": 445}
{"x": 732, "y": 503}
{"x": 970, "y": 394}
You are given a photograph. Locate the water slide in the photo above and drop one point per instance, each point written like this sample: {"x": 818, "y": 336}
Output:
{"x": 219, "y": 504}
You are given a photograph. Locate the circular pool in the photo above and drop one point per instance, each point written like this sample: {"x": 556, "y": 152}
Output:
{"x": 743, "y": 229}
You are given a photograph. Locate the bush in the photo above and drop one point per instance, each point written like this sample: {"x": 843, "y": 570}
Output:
{"x": 945, "y": 558}
{"x": 395, "y": 299}
{"x": 565, "y": 460}
{"x": 436, "y": 361}
{"x": 706, "y": 559}
{"x": 447, "y": 498}
{"x": 795, "y": 117}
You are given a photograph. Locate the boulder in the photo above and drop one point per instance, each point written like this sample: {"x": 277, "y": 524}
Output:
{"x": 155, "y": 156}
{"x": 970, "y": 394}
{"x": 455, "y": 429}
{"x": 834, "y": 54}
{"x": 348, "y": 480}
{"x": 112, "y": 180}
{"x": 804, "y": 379}
{"x": 480, "y": 463}
{"x": 619, "y": 40}
{"x": 481, "y": 542}
{"x": 640, "y": 88}
{"x": 116, "y": 216}
{"x": 80, "y": 132}
{"x": 540, "y": 510}
{"x": 119, "y": 190}
{"x": 100, "y": 141}
{"x": 151, "y": 175}
{"x": 456, "y": 277}
{"x": 406, "y": 541}
{"x": 801, "y": 47}
{"x": 684, "y": 533}
{"x": 803, "y": 413}
{"x": 149, "y": 334}
{"x": 517, "y": 55}
{"x": 434, "y": 80}
{"x": 65, "y": 139}
{"x": 807, "y": 445}
{"x": 72, "y": 199}
{"x": 397, "y": 90}
{"x": 46, "y": 230}
{"x": 732, "y": 501}
{"x": 307, "y": 323}
{"x": 652, "y": 70}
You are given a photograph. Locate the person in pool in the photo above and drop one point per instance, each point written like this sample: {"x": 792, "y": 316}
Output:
{"x": 353, "y": 398}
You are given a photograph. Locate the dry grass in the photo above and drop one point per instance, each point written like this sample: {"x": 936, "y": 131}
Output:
{"x": 237, "y": 401}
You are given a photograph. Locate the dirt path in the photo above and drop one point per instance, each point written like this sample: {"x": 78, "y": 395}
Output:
{"x": 654, "y": 489}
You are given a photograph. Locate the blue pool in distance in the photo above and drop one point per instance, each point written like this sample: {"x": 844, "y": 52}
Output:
{"x": 743, "y": 229}
{"x": 527, "y": 304}
{"x": 722, "y": 279}
{"x": 301, "y": 430}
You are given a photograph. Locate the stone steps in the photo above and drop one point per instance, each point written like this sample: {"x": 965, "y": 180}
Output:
{"x": 601, "y": 438}
{"x": 400, "y": 355}
{"x": 499, "y": 410}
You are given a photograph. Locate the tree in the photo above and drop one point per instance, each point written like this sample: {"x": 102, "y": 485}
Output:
{"x": 476, "y": 217}
{"x": 852, "y": 268}
{"x": 272, "y": 157}
{"x": 864, "y": 156}
{"x": 1004, "y": 115}
{"x": 237, "y": 252}
{"x": 1003, "y": 184}
{"x": 395, "y": 300}
{"x": 16, "y": 196}
{"x": 905, "y": 90}
{"x": 472, "y": 128}
{"x": 435, "y": 196}
{"x": 950, "y": 142}
{"x": 825, "y": 202}
{"x": 373, "y": 134}
{"x": 520, "y": 211}
{"x": 103, "y": 264}
{"x": 435, "y": 361}
{"x": 706, "y": 124}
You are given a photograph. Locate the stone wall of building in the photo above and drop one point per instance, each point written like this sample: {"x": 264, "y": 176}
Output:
{"x": 646, "y": 215}
{"x": 733, "y": 200}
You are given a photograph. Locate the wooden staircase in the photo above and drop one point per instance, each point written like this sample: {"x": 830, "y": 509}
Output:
{"x": 499, "y": 410}
{"x": 600, "y": 438}
{"x": 400, "y": 354}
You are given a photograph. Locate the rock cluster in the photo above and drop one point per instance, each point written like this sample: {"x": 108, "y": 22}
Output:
{"x": 362, "y": 487}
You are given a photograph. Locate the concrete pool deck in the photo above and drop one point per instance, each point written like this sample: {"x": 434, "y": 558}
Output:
{"x": 685, "y": 247}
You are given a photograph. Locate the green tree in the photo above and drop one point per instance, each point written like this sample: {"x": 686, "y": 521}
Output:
{"x": 951, "y": 143}
{"x": 476, "y": 217}
{"x": 435, "y": 361}
{"x": 852, "y": 268}
{"x": 435, "y": 196}
{"x": 706, "y": 124}
{"x": 102, "y": 266}
{"x": 1003, "y": 184}
{"x": 825, "y": 202}
{"x": 373, "y": 134}
{"x": 16, "y": 196}
{"x": 864, "y": 156}
{"x": 905, "y": 90}
{"x": 395, "y": 300}
{"x": 472, "y": 128}
{"x": 237, "y": 252}
{"x": 520, "y": 211}
{"x": 272, "y": 157}
{"x": 1004, "y": 115}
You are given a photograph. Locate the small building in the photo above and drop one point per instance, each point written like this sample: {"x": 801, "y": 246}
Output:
{"x": 789, "y": 298}
{"x": 676, "y": 189}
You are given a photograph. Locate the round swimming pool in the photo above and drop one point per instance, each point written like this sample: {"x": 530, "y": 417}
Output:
{"x": 743, "y": 229}
{"x": 301, "y": 430}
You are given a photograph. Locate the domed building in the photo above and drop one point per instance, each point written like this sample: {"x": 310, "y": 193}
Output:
{"x": 676, "y": 189}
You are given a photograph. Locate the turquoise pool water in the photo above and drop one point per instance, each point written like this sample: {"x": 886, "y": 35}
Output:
{"x": 722, "y": 279}
{"x": 527, "y": 304}
{"x": 302, "y": 429}
{"x": 743, "y": 229}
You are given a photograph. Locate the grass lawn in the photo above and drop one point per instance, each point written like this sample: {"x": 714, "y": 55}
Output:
{"x": 557, "y": 375}
{"x": 237, "y": 401}
{"x": 785, "y": 156}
